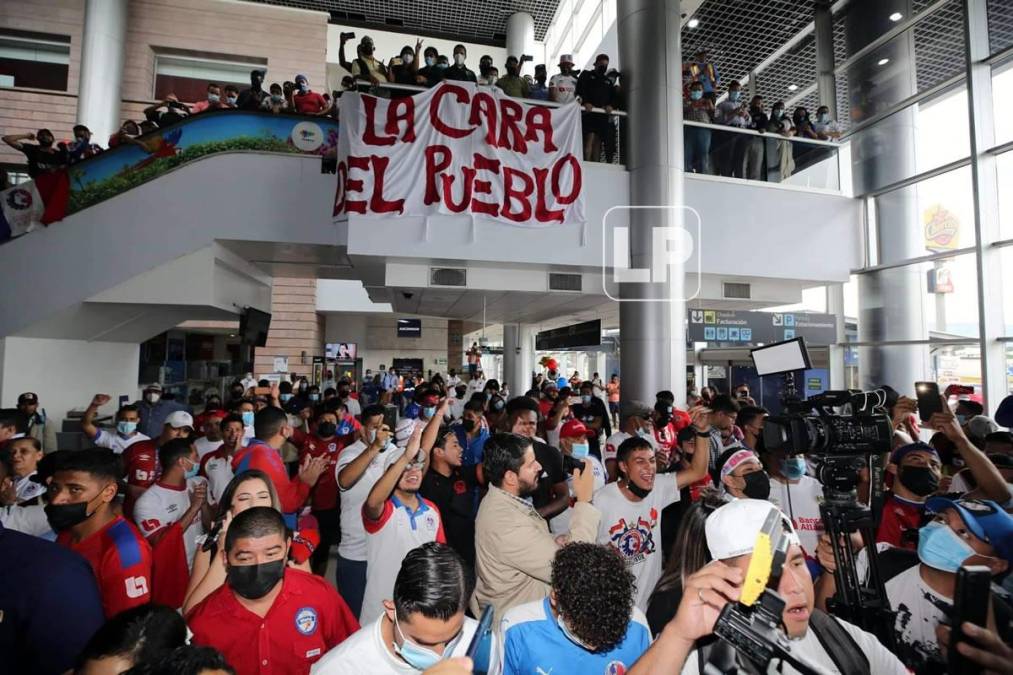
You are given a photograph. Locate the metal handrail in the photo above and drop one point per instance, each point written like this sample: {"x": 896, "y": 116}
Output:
{"x": 531, "y": 101}
{"x": 771, "y": 135}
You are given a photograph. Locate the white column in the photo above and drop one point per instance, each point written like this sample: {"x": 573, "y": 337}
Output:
{"x": 103, "y": 48}
{"x": 520, "y": 39}
{"x": 835, "y": 306}
{"x": 518, "y": 356}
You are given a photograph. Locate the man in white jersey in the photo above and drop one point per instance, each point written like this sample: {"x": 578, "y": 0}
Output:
{"x": 127, "y": 419}
{"x": 631, "y": 507}
{"x": 634, "y": 420}
{"x": 563, "y": 85}
{"x": 359, "y": 466}
{"x": 216, "y": 466}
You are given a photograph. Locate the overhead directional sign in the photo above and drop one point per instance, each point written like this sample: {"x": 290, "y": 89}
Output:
{"x": 750, "y": 328}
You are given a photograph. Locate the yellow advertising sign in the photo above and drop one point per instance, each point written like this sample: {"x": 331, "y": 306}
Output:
{"x": 942, "y": 229}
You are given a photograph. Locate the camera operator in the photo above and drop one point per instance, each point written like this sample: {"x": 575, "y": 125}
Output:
{"x": 796, "y": 494}
{"x": 963, "y": 532}
{"x": 824, "y": 641}
{"x": 917, "y": 471}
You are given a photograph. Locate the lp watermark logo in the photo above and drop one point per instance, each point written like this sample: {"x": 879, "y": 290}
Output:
{"x": 668, "y": 238}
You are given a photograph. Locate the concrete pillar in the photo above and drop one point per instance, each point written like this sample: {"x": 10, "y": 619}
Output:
{"x": 835, "y": 306}
{"x": 890, "y": 301}
{"x": 520, "y": 39}
{"x": 652, "y": 315}
{"x": 103, "y": 49}
{"x": 826, "y": 83}
{"x": 518, "y": 357}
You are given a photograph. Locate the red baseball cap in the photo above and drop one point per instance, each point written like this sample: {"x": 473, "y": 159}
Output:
{"x": 573, "y": 429}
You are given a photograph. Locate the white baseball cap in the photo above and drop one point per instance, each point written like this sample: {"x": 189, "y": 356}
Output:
{"x": 731, "y": 530}
{"x": 403, "y": 431}
{"x": 179, "y": 419}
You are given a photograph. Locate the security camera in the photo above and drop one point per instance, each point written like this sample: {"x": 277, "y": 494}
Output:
{"x": 407, "y": 295}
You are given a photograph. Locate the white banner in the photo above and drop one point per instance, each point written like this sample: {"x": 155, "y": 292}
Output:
{"x": 460, "y": 149}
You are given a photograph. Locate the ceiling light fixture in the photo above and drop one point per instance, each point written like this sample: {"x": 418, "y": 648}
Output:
{"x": 792, "y": 87}
{"x": 896, "y": 16}
{"x": 693, "y": 23}
{"x": 882, "y": 62}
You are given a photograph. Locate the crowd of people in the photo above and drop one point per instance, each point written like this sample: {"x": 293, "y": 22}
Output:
{"x": 600, "y": 538}
{"x": 727, "y": 153}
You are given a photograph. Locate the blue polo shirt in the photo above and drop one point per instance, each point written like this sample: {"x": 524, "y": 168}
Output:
{"x": 50, "y": 603}
{"x": 473, "y": 450}
{"x": 533, "y": 642}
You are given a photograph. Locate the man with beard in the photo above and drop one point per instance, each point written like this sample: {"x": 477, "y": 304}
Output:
{"x": 397, "y": 519}
{"x": 513, "y": 547}
{"x": 631, "y": 507}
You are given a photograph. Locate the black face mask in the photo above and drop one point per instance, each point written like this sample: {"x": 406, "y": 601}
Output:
{"x": 367, "y": 50}
{"x": 326, "y": 429}
{"x": 237, "y": 393}
{"x": 513, "y": 70}
{"x": 469, "y": 425}
{"x": 757, "y": 485}
{"x": 663, "y": 420}
{"x": 637, "y": 491}
{"x": 600, "y": 68}
{"x": 255, "y": 581}
{"x": 62, "y": 517}
{"x": 919, "y": 480}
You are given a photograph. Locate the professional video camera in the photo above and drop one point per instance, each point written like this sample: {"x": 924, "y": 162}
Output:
{"x": 844, "y": 431}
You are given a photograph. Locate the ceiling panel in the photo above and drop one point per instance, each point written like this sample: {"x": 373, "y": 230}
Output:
{"x": 483, "y": 22}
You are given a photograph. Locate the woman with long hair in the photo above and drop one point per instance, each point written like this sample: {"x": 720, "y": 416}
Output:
{"x": 689, "y": 553}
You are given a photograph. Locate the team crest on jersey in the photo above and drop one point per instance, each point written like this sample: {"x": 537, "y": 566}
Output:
{"x": 635, "y": 541}
{"x": 306, "y": 621}
{"x": 332, "y": 447}
{"x": 430, "y": 521}
{"x": 615, "y": 668}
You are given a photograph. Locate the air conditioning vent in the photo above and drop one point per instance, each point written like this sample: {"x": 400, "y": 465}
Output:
{"x": 564, "y": 282}
{"x": 737, "y": 291}
{"x": 448, "y": 276}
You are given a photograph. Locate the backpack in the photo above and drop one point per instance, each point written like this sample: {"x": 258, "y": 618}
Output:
{"x": 719, "y": 656}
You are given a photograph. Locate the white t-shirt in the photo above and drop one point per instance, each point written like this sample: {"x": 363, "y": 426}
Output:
{"x": 352, "y": 404}
{"x": 26, "y": 489}
{"x": 919, "y": 611}
{"x": 801, "y": 501}
{"x": 613, "y": 442}
{"x": 162, "y": 505}
{"x": 204, "y": 446}
{"x": 457, "y": 407}
{"x": 364, "y": 652}
{"x": 634, "y": 529}
{"x": 353, "y": 534}
{"x": 561, "y": 523}
{"x": 115, "y": 442}
{"x": 388, "y": 541}
{"x": 566, "y": 87}
{"x": 218, "y": 471}
{"x": 881, "y": 661}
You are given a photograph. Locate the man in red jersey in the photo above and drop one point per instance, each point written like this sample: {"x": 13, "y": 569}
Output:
{"x": 271, "y": 430}
{"x": 80, "y": 511}
{"x": 269, "y": 618}
{"x": 140, "y": 460}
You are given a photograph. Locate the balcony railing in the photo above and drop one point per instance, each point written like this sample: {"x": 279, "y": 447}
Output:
{"x": 731, "y": 152}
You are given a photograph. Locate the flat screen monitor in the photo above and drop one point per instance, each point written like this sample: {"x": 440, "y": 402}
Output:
{"x": 409, "y": 328}
{"x": 780, "y": 357}
{"x": 253, "y": 327}
{"x": 341, "y": 351}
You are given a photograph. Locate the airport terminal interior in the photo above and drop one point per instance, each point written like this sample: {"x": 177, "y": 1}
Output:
{"x": 438, "y": 278}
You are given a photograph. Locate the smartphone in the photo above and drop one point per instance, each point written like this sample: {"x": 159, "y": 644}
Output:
{"x": 350, "y": 35}
{"x": 390, "y": 417}
{"x": 527, "y": 57}
{"x": 480, "y": 649}
{"x": 929, "y": 401}
{"x": 970, "y": 604}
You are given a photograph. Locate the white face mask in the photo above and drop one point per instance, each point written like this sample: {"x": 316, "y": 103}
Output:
{"x": 408, "y": 58}
{"x": 152, "y": 397}
{"x": 459, "y": 59}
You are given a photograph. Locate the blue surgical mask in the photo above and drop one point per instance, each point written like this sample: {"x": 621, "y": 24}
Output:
{"x": 696, "y": 94}
{"x": 823, "y": 118}
{"x": 420, "y": 658}
{"x": 961, "y": 419}
{"x": 277, "y": 98}
{"x": 429, "y": 411}
{"x": 231, "y": 100}
{"x": 793, "y": 468}
{"x": 248, "y": 418}
{"x": 213, "y": 98}
{"x": 941, "y": 548}
{"x": 585, "y": 398}
{"x": 580, "y": 450}
{"x": 776, "y": 113}
{"x": 734, "y": 96}
{"x": 126, "y": 428}
{"x": 303, "y": 87}
{"x": 644, "y": 433}
{"x": 430, "y": 61}
{"x": 192, "y": 471}
{"x": 314, "y": 397}
{"x": 285, "y": 398}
